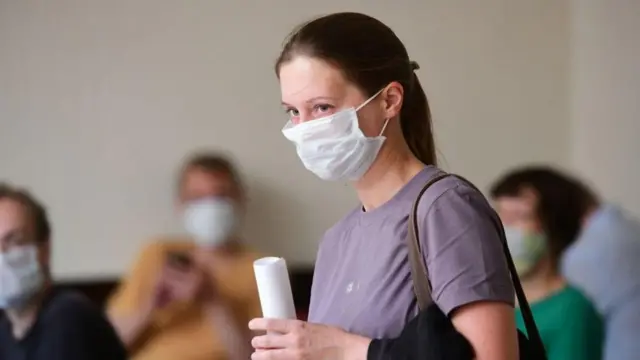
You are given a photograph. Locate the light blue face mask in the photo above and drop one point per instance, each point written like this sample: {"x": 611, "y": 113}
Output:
{"x": 526, "y": 249}
{"x": 21, "y": 276}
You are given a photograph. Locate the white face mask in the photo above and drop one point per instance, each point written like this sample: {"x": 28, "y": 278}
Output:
{"x": 210, "y": 221}
{"x": 526, "y": 249}
{"x": 334, "y": 147}
{"x": 20, "y": 276}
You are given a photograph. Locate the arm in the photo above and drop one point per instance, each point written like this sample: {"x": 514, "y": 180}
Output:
{"x": 131, "y": 307}
{"x": 490, "y": 328}
{"x": 469, "y": 275}
{"x": 430, "y": 335}
{"x": 229, "y": 314}
{"x": 130, "y": 327}
{"x": 235, "y": 336}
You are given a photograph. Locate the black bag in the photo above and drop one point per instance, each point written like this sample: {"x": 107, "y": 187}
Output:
{"x": 531, "y": 348}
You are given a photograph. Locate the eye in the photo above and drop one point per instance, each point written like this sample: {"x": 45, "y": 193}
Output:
{"x": 323, "y": 108}
{"x": 292, "y": 112}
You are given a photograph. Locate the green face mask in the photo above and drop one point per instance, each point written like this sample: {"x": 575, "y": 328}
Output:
{"x": 526, "y": 249}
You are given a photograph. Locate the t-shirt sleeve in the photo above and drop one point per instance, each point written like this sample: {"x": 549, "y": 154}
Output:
{"x": 461, "y": 246}
{"x": 80, "y": 331}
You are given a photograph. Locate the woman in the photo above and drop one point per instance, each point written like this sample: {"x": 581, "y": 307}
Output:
{"x": 358, "y": 113}
{"x": 543, "y": 212}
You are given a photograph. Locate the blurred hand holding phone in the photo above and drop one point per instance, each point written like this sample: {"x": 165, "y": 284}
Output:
{"x": 180, "y": 280}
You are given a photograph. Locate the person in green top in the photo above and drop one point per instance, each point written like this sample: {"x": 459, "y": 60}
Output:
{"x": 540, "y": 223}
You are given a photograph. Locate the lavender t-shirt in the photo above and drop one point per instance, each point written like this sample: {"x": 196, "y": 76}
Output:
{"x": 362, "y": 281}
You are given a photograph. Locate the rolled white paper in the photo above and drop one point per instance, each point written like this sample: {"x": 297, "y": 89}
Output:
{"x": 274, "y": 288}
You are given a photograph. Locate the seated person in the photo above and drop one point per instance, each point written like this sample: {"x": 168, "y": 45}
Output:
{"x": 191, "y": 298}
{"x": 39, "y": 323}
{"x": 540, "y": 224}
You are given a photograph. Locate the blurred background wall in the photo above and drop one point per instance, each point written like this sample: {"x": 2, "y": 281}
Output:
{"x": 605, "y": 96}
{"x": 101, "y": 100}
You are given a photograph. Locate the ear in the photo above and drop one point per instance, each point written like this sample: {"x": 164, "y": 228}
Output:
{"x": 44, "y": 253}
{"x": 393, "y": 97}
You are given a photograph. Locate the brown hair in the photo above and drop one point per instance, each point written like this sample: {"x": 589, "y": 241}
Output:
{"x": 214, "y": 163}
{"x": 371, "y": 56}
{"x": 36, "y": 211}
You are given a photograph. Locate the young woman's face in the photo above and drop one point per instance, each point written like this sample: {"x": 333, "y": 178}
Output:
{"x": 313, "y": 89}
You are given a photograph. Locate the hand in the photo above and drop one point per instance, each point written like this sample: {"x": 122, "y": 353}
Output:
{"x": 178, "y": 285}
{"x": 299, "y": 340}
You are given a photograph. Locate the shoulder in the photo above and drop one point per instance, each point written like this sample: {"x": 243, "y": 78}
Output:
{"x": 452, "y": 206}
{"x": 65, "y": 307}
{"x": 68, "y": 301}
{"x": 165, "y": 244}
{"x": 462, "y": 246}
{"x": 5, "y": 327}
{"x": 248, "y": 254}
{"x": 577, "y": 304}
{"x": 238, "y": 276}
{"x": 77, "y": 327}
{"x": 154, "y": 251}
{"x": 453, "y": 194}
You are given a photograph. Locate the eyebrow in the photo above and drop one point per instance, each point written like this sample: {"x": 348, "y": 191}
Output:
{"x": 12, "y": 234}
{"x": 314, "y": 99}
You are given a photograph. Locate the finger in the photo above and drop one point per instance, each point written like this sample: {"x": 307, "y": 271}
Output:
{"x": 270, "y": 341}
{"x": 278, "y": 325}
{"x": 278, "y": 354}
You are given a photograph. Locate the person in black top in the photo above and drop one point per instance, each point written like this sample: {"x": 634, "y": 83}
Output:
{"x": 36, "y": 321}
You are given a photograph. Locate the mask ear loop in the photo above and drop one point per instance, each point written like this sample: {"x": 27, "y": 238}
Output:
{"x": 369, "y": 100}
{"x": 386, "y": 122}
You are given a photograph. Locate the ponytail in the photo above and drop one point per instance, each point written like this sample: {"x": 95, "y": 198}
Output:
{"x": 415, "y": 121}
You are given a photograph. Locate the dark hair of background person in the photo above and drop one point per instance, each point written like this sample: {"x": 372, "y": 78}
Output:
{"x": 562, "y": 202}
{"x": 371, "y": 56}
{"x": 35, "y": 210}
{"x": 213, "y": 163}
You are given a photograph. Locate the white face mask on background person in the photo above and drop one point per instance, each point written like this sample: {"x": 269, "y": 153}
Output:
{"x": 526, "y": 249}
{"x": 211, "y": 221}
{"x": 21, "y": 276}
{"x": 333, "y": 147}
